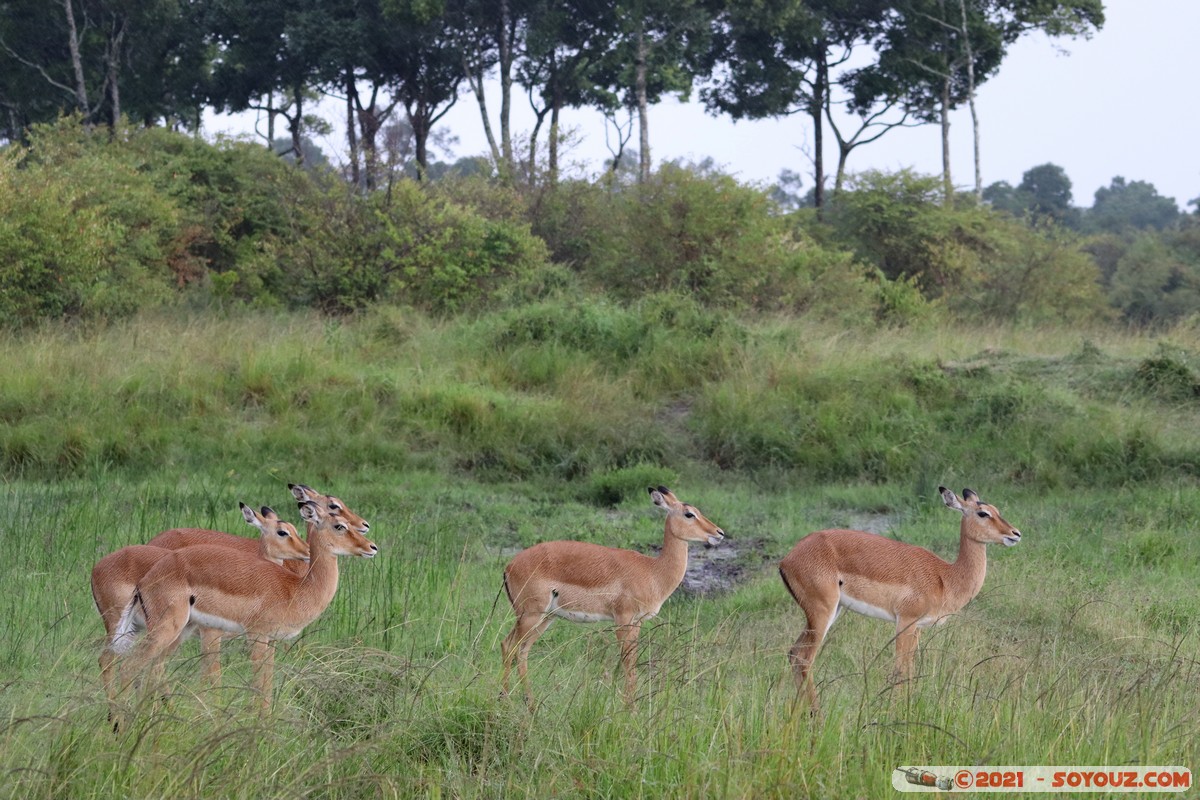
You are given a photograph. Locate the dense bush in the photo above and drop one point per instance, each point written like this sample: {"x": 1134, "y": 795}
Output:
{"x": 982, "y": 264}
{"x": 98, "y": 224}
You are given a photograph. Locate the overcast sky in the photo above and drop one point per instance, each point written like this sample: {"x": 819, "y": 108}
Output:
{"x": 1121, "y": 103}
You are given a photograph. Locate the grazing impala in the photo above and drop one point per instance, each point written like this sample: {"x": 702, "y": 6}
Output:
{"x": 176, "y": 538}
{"x": 116, "y": 575}
{"x": 584, "y": 582}
{"x": 901, "y": 583}
{"x": 219, "y": 587}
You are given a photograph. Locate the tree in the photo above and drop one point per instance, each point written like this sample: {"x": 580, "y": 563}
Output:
{"x": 565, "y": 43}
{"x": 488, "y": 36}
{"x": 935, "y": 53}
{"x": 1048, "y": 192}
{"x": 101, "y": 59}
{"x": 658, "y": 49}
{"x": 1136, "y": 205}
{"x": 266, "y": 48}
{"x": 424, "y": 69}
{"x": 777, "y": 57}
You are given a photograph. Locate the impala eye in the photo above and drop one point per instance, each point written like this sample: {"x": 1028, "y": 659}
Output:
{"x": 983, "y": 514}
{"x": 282, "y": 533}
{"x": 690, "y": 515}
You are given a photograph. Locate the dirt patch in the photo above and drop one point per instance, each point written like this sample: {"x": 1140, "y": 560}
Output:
{"x": 713, "y": 570}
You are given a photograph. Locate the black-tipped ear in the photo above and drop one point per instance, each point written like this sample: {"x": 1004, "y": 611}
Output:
{"x": 941, "y": 490}
{"x": 241, "y": 504}
{"x": 650, "y": 489}
{"x": 267, "y": 511}
{"x": 664, "y": 490}
{"x": 970, "y": 495}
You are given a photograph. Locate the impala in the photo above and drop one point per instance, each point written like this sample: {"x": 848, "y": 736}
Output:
{"x": 584, "y": 582}
{"x": 222, "y": 588}
{"x": 115, "y": 576}
{"x": 176, "y": 538}
{"x": 900, "y": 583}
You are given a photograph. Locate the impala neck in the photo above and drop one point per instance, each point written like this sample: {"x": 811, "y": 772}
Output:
{"x": 671, "y": 563}
{"x": 968, "y": 571}
{"x": 322, "y": 575}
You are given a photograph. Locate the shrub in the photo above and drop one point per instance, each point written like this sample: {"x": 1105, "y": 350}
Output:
{"x": 613, "y": 487}
{"x": 407, "y": 245}
{"x": 84, "y": 236}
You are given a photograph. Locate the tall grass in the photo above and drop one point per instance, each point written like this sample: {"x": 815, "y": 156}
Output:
{"x": 464, "y": 440}
{"x": 567, "y": 391}
{"x": 1081, "y": 649}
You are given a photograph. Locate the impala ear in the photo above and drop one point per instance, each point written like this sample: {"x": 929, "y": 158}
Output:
{"x": 248, "y": 514}
{"x": 970, "y": 495}
{"x": 300, "y": 491}
{"x": 309, "y": 511}
{"x": 951, "y": 500}
{"x": 656, "y": 495}
{"x": 268, "y": 513}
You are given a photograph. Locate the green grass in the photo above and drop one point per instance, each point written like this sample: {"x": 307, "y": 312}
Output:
{"x": 461, "y": 445}
{"x": 1081, "y": 649}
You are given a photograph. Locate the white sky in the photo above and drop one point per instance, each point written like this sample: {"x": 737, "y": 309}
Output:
{"x": 1117, "y": 104}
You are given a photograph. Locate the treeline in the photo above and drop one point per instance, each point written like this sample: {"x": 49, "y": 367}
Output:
{"x": 98, "y": 225}
{"x": 405, "y": 62}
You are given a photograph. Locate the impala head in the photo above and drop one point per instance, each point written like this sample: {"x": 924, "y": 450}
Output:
{"x": 690, "y": 524}
{"x": 279, "y": 538}
{"x": 981, "y": 521}
{"x": 331, "y": 504}
{"x": 343, "y": 540}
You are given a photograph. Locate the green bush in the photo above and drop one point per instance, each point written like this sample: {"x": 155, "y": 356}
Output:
{"x": 82, "y": 234}
{"x": 983, "y": 264}
{"x": 406, "y": 245}
{"x": 612, "y": 487}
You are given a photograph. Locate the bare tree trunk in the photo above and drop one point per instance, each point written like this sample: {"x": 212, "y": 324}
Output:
{"x": 816, "y": 111}
{"x": 966, "y": 34}
{"x": 553, "y": 165}
{"x": 113, "y": 58}
{"x": 475, "y": 79}
{"x": 420, "y": 138}
{"x": 297, "y": 126}
{"x": 352, "y": 130}
{"x": 271, "y": 120}
{"x": 76, "y": 59}
{"x": 947, "y": 181}
{"x": 506, "y": 62}
{"x": 643, "y": 106}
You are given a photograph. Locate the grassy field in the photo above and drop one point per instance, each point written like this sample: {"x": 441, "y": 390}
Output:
{"x": 462, "y": 442}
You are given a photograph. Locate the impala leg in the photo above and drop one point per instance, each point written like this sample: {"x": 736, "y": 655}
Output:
{"x": 525, "y": 632}
{"x": 819, "y": 619}
{"x": 262, "y": 657}
{"x": 210, "y": 655}
{"x": 627, "y": 640}
{"x": 161, "y": 639}
{"x": 908, "y": 636}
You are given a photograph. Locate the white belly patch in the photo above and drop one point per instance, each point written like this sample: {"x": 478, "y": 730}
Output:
{"x": 854, "y": 604}
{"x": 213, "y": 621}
{"x": 574, "y": 615}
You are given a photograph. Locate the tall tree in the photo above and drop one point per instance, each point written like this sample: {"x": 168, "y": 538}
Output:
{"x": 425, "y": 69}
{"x": 1124, "y": 205}
{"x": 934, "y": 53}
{"x": 566, "y": 42}
{"x": 780, "y": 57}
{"x": 269, "y": 48}
{"x": 489, "y": 35}
{"x": 661, "y": 47}
{"x": 100, "y": 58}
